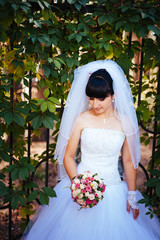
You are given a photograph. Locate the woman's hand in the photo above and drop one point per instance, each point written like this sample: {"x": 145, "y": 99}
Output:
{"x": 135, "y": 211}
{"x": 132, "y": 203}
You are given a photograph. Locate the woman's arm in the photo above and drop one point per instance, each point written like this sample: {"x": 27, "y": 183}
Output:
{"x": 130, "y": 171}
{"x": 69, "y": 162}
{"x": 130, "y": 174}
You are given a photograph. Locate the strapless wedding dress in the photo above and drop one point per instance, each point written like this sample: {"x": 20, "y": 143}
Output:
{"x": 109, "y": 219}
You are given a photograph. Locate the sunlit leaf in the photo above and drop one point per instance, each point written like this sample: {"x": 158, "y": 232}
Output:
{"x": 44, "y": 106}
{"x": 57, "y": 64}
{"x": 54, "y": 100}
{"x": 46, "y": 92}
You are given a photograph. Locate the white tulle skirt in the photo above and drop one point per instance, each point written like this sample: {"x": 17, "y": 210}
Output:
{"x": 108, "y": 220}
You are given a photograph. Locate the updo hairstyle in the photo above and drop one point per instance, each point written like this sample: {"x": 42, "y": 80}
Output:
{"x": 100, "y": 84}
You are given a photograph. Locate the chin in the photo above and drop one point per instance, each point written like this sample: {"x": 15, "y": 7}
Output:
{"x": 99, "y": 111}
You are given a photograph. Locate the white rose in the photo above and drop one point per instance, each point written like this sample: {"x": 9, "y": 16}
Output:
{"x": 73, "y": 186}
{"x": 82, "y": 186}
{"x": 91, "y": 196}
{"x": 80, "y": 196}
{"x": 76, "y": 181}
{"x": 78, "y": 191}
{"x": 99, "y": 194}
{"x": 94, "y": 185}
{"x": 97, "y": 178}
{"x": 87, "y": 194}
{"x": 89, "y": 174}
{"x": 85, "y": 176}
{"x": 74, "y": 193}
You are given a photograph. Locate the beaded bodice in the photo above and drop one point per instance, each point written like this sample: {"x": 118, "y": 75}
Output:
{"x": 100, "y": 150}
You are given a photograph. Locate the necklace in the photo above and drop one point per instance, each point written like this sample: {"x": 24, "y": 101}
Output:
{"x": 104, "y": 121}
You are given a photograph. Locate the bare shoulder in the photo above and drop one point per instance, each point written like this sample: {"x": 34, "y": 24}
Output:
{"x": 117, "y": 123}
{"x": 86, "y": 114}
{"x": 129, "y": 125}
{"x": 83, "y": 119}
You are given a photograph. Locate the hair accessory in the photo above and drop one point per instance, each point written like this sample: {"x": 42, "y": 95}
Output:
{"x": 78, "y": 102}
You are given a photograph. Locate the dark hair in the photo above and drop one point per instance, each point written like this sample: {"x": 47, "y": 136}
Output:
{"x": 100, "y": 84}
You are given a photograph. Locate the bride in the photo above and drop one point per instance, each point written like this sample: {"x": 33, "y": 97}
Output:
{"x": 99, "y": 114}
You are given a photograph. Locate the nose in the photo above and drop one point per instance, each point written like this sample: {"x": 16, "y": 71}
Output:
{"x": 95, "y": 103}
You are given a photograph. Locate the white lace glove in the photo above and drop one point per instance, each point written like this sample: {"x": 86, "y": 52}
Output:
{"x": 132, "y": 199}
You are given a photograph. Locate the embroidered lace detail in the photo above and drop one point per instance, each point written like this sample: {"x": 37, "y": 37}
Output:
{"x": 100, "y": 150}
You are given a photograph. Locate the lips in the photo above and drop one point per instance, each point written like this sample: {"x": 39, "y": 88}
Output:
{"x": 97, "y": 109}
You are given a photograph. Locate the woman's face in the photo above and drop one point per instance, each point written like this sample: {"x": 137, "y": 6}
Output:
{"x": 101, "y": 105}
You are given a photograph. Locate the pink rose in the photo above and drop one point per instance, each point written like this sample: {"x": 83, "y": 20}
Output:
{"x": 83, "y": 190}
{"x": 95, "y": 202}
{"x": 88, "y": 201}
{"x": 86, "y": 181}
{"x": 88, "y": 188}
{"x": 83, "y": 181}
{"x": 101, "y": 185}
{"x": 92, "y": 179}
{"x": 103, "y": 188}
{"x": 77, "y": 185}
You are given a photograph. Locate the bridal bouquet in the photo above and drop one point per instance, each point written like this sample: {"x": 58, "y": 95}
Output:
{"x": 87, "y": 189}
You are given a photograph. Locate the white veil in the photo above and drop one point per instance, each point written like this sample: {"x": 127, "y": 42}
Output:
{"x": 77, "y": 102}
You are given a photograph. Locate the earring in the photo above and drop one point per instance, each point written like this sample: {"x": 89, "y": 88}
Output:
{"x": 113, "y": 100}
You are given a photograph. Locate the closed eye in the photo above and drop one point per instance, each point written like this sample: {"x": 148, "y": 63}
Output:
{"x": 101, "y": 99}
{"x": 91, "y": 98}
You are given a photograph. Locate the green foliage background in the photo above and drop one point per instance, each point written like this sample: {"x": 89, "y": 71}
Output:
{"x": 47, "y": 42}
